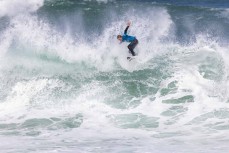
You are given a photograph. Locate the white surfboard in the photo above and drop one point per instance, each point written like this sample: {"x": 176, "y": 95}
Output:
{"x": 130, "y": 58}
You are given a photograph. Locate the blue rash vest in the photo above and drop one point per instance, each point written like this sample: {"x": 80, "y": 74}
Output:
{"x": 127, "y": 38}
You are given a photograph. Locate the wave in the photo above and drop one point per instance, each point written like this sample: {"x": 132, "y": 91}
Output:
{"x": 63, "y": 74}
{"x": 31, "y": 35}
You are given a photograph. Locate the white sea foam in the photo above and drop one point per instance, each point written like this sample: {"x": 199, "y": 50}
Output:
{"x": 15, "y": 7}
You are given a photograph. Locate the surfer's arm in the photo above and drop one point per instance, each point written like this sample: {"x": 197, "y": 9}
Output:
{"x": 125, "y": 32}
{"x": 128, "y": 25}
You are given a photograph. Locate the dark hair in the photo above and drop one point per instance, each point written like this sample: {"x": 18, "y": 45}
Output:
{"x": 119, "y": 36}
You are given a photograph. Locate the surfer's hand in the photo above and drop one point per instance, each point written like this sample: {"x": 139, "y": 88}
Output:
{"x": 128, "y": 23}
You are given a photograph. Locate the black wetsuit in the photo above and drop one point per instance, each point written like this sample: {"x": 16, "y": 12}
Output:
{"x": 133, "y": 41}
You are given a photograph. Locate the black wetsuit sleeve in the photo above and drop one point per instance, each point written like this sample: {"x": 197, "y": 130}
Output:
{"x": 125, "y": 32}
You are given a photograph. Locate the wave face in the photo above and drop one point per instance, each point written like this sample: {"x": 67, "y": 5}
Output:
{"x": 66, "y": 85}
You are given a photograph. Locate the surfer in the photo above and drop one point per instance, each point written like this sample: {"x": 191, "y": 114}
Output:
{"x": 126, "y": 38}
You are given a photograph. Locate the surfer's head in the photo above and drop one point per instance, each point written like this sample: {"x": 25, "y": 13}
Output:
{"x": 119, "y": 37}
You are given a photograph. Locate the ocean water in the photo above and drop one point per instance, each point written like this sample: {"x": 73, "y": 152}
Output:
{"x": 66, "y": 86}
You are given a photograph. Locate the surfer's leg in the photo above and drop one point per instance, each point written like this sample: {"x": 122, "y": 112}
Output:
{"x": 131, "y": 47}
{"x": 131, "y": 50}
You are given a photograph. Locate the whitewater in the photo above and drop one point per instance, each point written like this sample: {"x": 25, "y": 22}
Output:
{"x": 66, "y": 86}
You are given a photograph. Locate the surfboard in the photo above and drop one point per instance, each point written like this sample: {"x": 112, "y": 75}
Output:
{"x": 130, "y": 58}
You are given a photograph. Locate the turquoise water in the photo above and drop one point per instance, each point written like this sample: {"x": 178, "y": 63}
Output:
{"x": 66, "y": 86}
